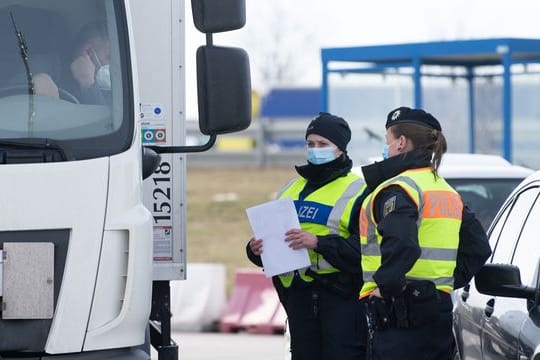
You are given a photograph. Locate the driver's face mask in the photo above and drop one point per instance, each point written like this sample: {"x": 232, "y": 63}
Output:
{"x": 103, "y": 78}
{"x": 103, "y": 75}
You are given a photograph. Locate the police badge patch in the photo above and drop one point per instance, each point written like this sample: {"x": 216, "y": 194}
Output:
{"x": 389, "y": 205}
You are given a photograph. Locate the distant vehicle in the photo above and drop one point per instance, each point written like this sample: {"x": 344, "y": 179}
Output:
{"x": 498, "y": 317}
{"x": 483, "y": 181}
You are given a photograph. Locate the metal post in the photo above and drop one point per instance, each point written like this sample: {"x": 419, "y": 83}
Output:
{"x": 472, "y": 114}
{"x": 160, "y": 322}
{"x": 261, "y": 141}
{"x": 507, "y": 105}
{"x": 324, "y": 86}
{"x": 417, "y": 79}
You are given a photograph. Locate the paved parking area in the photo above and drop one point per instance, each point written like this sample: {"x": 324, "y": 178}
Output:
{"x": 240, "y": 346}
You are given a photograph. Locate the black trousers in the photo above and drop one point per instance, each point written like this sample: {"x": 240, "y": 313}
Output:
{"x": 433, "y": 341}
{"x": 324, "y": 325}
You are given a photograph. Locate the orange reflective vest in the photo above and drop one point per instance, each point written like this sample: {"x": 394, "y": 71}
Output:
{"x": 439, "y": 220}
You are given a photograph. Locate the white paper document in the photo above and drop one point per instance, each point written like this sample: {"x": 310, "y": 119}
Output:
{"x": 269, "y": 222}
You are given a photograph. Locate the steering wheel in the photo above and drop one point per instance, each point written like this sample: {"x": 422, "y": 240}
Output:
{"x": 23, "y": 90}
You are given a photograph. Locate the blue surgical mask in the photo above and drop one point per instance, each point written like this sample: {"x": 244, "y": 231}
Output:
{"x": 385, "y": 152}
{"x": 320, "y": 155}
{"x": 103, "y": 74}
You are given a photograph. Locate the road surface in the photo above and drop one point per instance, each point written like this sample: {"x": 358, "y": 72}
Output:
{"x": 236, "y": 346}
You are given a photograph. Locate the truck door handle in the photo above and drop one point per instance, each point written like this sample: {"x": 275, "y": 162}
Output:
{"x": 488, "y": 310}
{"x": 465, "y": 292}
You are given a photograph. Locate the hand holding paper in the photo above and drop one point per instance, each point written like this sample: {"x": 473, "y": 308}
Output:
{"x": 269, "y": 222}
{"x": 299, "y": 239}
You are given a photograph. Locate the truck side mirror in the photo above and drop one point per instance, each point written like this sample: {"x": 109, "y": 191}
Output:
{"x": 150, "y": 162}
{"x": 223, "y": 89}
{"x": 223, "y": 75}
{"x": 213, "y": 16}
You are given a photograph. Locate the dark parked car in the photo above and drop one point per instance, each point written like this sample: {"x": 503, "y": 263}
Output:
{"x": 497, "y": 316}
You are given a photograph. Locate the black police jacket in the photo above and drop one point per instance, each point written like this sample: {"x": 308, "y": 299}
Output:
{"x": 400, "y": 248}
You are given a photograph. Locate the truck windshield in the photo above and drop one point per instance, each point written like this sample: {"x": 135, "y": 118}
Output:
{"x": 64, "y": 77}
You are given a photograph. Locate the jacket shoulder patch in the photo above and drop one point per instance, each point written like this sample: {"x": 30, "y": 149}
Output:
{"x": 389, "y": 205}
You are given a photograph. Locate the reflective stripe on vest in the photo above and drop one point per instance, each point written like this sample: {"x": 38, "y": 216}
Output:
{"x": 439, "y": 219}
{"x": 325, "y": 211}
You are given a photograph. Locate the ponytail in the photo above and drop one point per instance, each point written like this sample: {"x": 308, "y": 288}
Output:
{"x": 425, "y": 139}
{"x": 439, "y": 148}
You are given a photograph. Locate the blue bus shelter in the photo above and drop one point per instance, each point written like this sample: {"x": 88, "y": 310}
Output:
{"x": 499, "y": 55}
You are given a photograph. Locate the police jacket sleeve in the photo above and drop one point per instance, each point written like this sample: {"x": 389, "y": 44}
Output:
{"x": 396, "y": 215}
{"x": 344, "y": 253}
{"x": 473, "y": 249}
{"x": 255, "y": 259}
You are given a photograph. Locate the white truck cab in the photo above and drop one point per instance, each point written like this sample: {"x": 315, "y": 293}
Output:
{"x": 91, "y": 92}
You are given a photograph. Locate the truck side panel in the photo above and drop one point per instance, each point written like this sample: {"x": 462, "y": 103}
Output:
{"x": 158, "y": 28}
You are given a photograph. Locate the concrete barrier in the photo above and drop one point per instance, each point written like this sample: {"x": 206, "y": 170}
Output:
{"x": 198, "y": 302}
{"x": 253, "y": 306}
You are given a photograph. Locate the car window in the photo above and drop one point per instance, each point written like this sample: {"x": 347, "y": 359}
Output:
{"x": 527, "y": 251}
{"x": 497, "y": 227}
{"x": 504, "y": 235}
{"x": 484, "y": 196}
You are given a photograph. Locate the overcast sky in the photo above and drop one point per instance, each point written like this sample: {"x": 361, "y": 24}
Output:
{"x": 310, "y": 25}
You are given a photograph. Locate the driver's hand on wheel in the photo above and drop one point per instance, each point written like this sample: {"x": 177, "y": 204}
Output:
{"x": 44, "y": 85}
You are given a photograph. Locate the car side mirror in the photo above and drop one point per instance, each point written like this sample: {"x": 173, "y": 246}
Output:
{"x": 502, "y": 280}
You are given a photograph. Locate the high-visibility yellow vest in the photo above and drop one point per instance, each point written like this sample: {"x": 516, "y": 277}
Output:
{"x": 439, "y": 219}
{"x": 325, "y": 211}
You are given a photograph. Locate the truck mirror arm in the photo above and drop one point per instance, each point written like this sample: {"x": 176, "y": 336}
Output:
{"x": 184, "y": 149}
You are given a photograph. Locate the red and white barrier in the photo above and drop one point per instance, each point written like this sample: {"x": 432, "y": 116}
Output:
{"x": 253, "y": 305}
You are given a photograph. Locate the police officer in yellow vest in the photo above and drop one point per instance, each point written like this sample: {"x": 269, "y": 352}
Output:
{"x": 326, "y": 319}
{"x": 410, "y": 226}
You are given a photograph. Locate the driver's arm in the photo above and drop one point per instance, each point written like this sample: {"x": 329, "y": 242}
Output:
{"x": 44, "y": 85}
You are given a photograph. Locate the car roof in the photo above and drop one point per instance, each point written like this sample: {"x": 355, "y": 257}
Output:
{"x": 457, "y": 165}
{"x": 475, "y": 166}
{"x": 532, "y": 178}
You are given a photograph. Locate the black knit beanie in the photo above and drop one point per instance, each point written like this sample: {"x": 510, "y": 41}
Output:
{"x": 331, "y": 127}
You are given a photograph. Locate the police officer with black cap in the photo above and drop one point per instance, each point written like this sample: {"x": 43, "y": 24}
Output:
{"x": 326, "y": 319}
{"x": 418, "y": 243}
